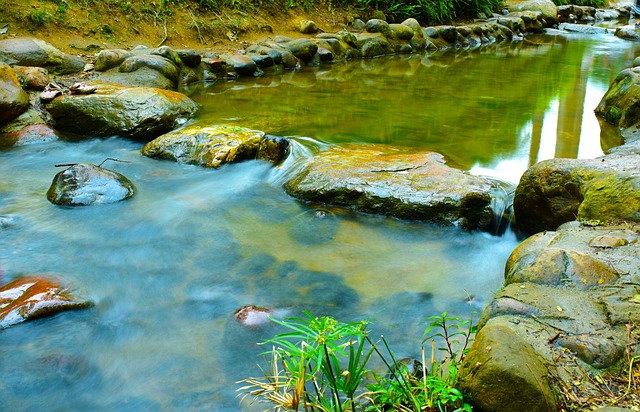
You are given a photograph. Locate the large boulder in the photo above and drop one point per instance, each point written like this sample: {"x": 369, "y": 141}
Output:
{"x": 13, "y": 100}
{"x": 556, "y": 191}
{"x": 401, "y": 182}
{"x": 85, "y": 184}
{"x": 620, "y": 105}
{"x": 26, "y": 51}
{"x": 138, "y": 112}
{"x": 560, "y": 319}
{"x": 214, "y": 146}
{"x": 32, "y": 297}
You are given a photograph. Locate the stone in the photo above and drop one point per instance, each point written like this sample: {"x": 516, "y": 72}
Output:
{"x": 252, "y": 315}
{"x": 160, "y": 64}
{"x": 243, "y": 65}
{"x": 619, "y": 106}
{"x": 556, "y": 191}
{"x": 25, "y": 51}
{"x": 190, "y": 58}
{"x": 86, "y": 184}
{"x": 547, "y": 8}
{"x": 303, "y": 49}
{"x": 137, "y": 112}
{"x": 378, "y": 26}
{"x": 503, "y": 373}
{"x": 308, "y": 27}
{"x": 214, "y": 146}
{"x": 395, "y": 181}
{"x": 110, "y": 58}
{"x": 13, "y": 99}
{"x": 627, "y": 33}
{"x": 596, "y": 351}
{"x": 35, "y": 296}
{"x": 32, "y": 78}
{"x": 401, "y": 31}
{"x": 373, "y": 45}
{"x": 34, "y": 133}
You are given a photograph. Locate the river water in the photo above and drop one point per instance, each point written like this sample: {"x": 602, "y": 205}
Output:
{"x": 167, "y": 269}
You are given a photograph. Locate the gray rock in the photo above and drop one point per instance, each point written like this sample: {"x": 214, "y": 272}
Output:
{"x": 547, "y": 8}
{"x": 189, "y": 57}
{"x": 373, "y": 45}
{"x": 401, "y": 31}
{"x": 581, "y": 28}
{"x": 243, "y": 65}
{"x": 378, "y": 26}
{"x": 86, "y": 184}
{"x": 137, "y": 112}
{"x": 38, "y": 53}
{"x": 110, "y": 58}
{"x": 303, "y": 49}
{"x": 157, "y": 63}
{"x": 627, "y": 33}
{"x": 401, "y": 182}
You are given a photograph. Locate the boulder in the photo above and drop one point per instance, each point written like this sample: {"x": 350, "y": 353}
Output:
{"x": 373, "y": 45}
{"x": 556, "y": 191}
{"x": 303, "y": 49}
{"x": 243, "y": 65}
{"x": 13, "y": 100}
{"x": 395, "y": 181}
{"x": 503, "y": 373}
{"x": 308, "y": 27}
{"x": 26, "y": 51}
{"x": 214, "y": 146}
{"x": 627, "y": 33}
{"x": 85, "y": 184}
{"x": 137, "y": 112}
{"x": 32, "y": 78}
{"x": 32, "y": 133}
{"x": 110, "y": 58}
{"x": 31, "y": 297}
{"x": 620, "y": 106}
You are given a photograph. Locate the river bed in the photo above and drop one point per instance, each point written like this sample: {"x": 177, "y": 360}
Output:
{"x": 168, "y": 268}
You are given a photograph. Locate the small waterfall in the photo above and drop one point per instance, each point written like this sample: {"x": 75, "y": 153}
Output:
{"x": 502, "y": 206}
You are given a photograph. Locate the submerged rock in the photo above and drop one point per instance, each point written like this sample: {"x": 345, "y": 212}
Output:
{"x": 32, "y": 297}
{"x": 213, "y": 146}
{"x": 395, "y": 181}
{"x": 86, "y": 184}
{"x": 137, "y": 112}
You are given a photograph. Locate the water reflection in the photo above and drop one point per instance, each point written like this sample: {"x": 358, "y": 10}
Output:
{"x": 167, "y": 268}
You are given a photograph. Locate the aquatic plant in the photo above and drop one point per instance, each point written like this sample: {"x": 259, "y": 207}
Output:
{"x": 321, "y": 364}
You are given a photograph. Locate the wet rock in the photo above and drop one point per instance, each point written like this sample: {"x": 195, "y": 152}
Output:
{"x": 243, "y": 65}
{"x": 503, "y": 373}
{"x": 556, "y": 191}
{"x": 373, "y": 45}
{"x": 13, "y": 100}
{"x": 581, "y": 28}
{"x": 85, "y": 184}
{"x": 213, "y": 146}
{"x": 308, "y": 27}
{"x": 32, "y": 297}
{"x": 627, "y": 33}
{"x": 157, "y": 63}
{"x": 33, "y": 133}
{"x": 596, "y": 351}
{"x": 252, "y": 315}
{"x": 619, "y": 106}
{"x": 137, "y": 112}
{"x": 25, "y": 51}
{"x": 401, "y": 182}
{"x": 378, "y": 26}
{"x": 32, "y": 78}
{"x": 262, "y": 60}
{"x": 401, "y": 31}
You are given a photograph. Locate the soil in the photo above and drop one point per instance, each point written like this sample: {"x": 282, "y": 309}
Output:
{"x": 77, "y": 26}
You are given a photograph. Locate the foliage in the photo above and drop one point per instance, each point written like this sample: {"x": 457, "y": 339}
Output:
{"x": 588, "y": 3}
{"x": 320, "y": 364}
{"x": 39, "y": 18}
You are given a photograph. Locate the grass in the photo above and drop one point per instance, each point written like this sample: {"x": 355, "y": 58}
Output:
{"x": 322, "y": 365}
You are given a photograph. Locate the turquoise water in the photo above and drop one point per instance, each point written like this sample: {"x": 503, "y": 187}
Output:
{"x": 168, "y": 268}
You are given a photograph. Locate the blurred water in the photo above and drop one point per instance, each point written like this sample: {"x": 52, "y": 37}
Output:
{"x": 167, "y": 268}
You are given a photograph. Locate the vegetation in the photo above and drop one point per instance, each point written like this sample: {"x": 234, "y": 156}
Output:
{"x": 322, "y": 365}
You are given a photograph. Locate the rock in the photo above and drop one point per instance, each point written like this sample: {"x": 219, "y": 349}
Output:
{"x": 252, "y": 315}
{"x": 189, "y": 57}
{"x": 582, "y": 28}
{"x": 32, "y": 297}
{"x": 401, "y": 182}
{"x": 358, "y": 25}
{"x": 108, "y": 59}
{"x": 401, "y": 31}
{"x": 548, "y": 9}
{"x": 262, "y": 60}
{"x": 28, "y": 134}
{"x": 137, "y": 112}
{"x": 503, "y": 373}
{"x": 13, "y": 100}
{"x": 213, "y": 146}
{"x": 627, "y": 33}
{"x": 308, "y": 27}
{"x": 619, "y": 106}
{"x": 373, "y": 45}
{"x": 243, "y": 65}
{"x": 160, "y": 64}
{"x": 556, "y": 191}
{"x": 32, "y": 78}
{"x": 38, "y": 53}
{"x": 598, "y": 352}
{"x": 303, "y": 49}
{"x": 378, "y": 26}
{"x": 85, "y": 184}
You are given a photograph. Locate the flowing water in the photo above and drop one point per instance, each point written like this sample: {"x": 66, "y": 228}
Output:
{"x": 167, "y": 269}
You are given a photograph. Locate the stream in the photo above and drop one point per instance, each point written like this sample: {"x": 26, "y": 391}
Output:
{"x": 168, "y": 268}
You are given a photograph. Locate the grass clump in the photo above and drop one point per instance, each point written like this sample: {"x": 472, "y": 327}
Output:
{"x": 323, "y": 365}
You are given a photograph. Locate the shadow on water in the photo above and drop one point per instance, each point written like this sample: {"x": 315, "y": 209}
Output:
{"x": 168, "y": 268}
